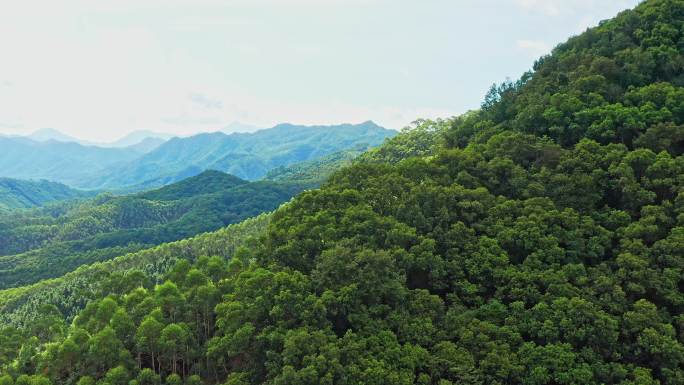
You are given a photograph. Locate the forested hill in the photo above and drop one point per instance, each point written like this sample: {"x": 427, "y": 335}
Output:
{"x": 207, "y": 182}
{"x": 49, "y": 242}
{"x": 71, "y": 292}
{"x": 536, "y": 241}
{"x": 318, "y": 170}
{"x": 16, "y": 193}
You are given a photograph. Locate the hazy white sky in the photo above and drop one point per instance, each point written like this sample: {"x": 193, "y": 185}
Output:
{"x": 100, "y": 69}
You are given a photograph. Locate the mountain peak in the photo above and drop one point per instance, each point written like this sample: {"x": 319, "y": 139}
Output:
{"x": 46, "y": 134}
{"x": 237, "y": 126}
{"x": 366, "y": 124}
{"x": 369, "y": 123}
{"x": 136, "y": 137}
{"x": 205, "y": 182}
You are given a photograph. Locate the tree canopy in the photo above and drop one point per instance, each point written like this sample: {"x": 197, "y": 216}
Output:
{"x": 539, "y": 240}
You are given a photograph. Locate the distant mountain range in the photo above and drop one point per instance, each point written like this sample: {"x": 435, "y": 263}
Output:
{"x": 142, "y": 160}
{"x": 46, "y": 134}
{"x": 138, "y": 137}
{"x": 64, "y": 162}
{"x": 134, "y": 138}
{"x": 240, "y": 127}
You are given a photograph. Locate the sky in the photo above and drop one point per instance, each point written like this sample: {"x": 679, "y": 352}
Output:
{"x": 98, "y": 70}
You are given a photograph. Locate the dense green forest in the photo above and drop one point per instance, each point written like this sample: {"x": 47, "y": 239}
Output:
{"x": 16, "y": 193}
{"x": 538, "y": 240}
{"x": 50, "y": 241}
{"x": 70, "y": 293}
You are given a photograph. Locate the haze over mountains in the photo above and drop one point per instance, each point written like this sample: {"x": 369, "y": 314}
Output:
{"x": 65, "y": 162}
{"x": 138, "y": 137}
{"x": 131, "y": 139}
{"x": 147, "y": 159}
{"x": 46, "y": 134}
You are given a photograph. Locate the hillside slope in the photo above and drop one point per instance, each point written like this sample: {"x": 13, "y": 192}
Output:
{"x": 50, "y": 242}
{"x": 71, "y": 292}
{"x": 315, "y": 171}
{"x": 538, "y": 241}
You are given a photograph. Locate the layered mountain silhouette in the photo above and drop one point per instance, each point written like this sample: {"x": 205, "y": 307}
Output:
{"x": 154, "y": 161}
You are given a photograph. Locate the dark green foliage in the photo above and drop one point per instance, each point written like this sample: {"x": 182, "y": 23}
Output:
{"x": 521, "y": 245}
{"x": 206, "y": 183}
{"x": 611, "y": 84}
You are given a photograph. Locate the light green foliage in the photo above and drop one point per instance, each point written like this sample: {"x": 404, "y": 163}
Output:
{"x": 420, "y": 139}
{"x": 70, "y": 292}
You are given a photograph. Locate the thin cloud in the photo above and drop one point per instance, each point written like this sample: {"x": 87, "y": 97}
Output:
{"x": 534, "y": 47}
{"x": 206, "y": 102}
{"x": 187, "y": 120}
{"x": 549, "y": 7}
